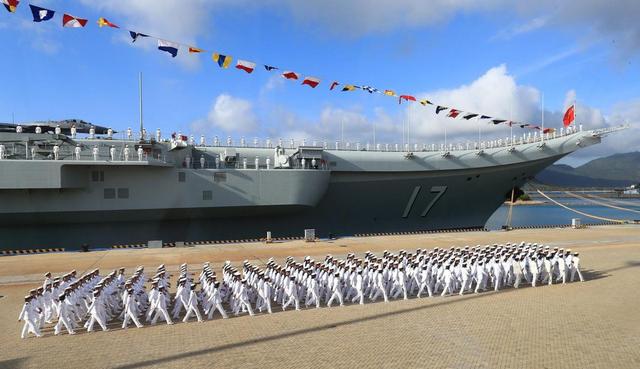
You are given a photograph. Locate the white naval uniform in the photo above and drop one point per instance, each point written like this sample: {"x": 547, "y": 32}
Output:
{"x": 192, "y": 307}
{"x": 30, "y": 317}
{"x": 130, "y": 311}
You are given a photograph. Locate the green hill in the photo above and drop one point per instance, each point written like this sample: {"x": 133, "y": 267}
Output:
{"x": 618, "y": 170}
{"x": 621, "y": 167}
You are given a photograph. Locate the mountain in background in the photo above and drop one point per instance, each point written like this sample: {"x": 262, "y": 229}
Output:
{"x": 618, "y": 170}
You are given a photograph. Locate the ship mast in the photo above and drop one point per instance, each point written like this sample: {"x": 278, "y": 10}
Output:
{"x": 140, "y": 104}
{"x": 542, "y": 138}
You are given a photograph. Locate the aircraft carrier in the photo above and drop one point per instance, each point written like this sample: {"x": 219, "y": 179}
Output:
{"x": 58, "y": 189}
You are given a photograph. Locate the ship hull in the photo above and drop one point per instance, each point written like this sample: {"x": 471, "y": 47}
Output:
{"x": 353, "y": 202}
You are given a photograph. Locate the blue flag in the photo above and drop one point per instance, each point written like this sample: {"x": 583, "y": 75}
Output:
{"x": 170, "y": 47}
{"x": 41, "y": 14}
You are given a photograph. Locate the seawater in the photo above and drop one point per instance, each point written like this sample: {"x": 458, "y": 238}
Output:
{"x": 552, "y": 214}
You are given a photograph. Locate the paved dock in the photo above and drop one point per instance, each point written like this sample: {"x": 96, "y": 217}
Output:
{"x": 595, "y": 324}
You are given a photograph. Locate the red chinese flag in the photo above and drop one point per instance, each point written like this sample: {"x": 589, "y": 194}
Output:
{"x": 569, "y": 116}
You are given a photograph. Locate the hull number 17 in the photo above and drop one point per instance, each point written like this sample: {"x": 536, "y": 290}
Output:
{"x": 438, "y": 190}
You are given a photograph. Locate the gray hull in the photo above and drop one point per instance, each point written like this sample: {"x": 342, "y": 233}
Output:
{"x": 352, "y": 192}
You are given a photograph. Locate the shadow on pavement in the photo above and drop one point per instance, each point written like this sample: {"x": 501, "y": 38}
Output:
{"x": 13, "y": 363}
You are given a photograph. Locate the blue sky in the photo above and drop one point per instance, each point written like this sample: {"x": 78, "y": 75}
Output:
{"x": 497, "y": 58}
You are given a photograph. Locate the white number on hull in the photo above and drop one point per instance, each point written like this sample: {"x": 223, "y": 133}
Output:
{"x": 438, "y": 190}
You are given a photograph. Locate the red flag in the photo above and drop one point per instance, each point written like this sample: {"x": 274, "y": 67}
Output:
{"x": 246, "y": 66}
{"x": 569, "y": 116}
{"x": 290, "y": 75}
{"x": 11, "y": 5}
{"x": 453, "y": 113}
{"x": 73, "y": 22}
{"x": 333, "y": 85}
{"x": 406, "y": 97}
{"x": 311, "y": 81}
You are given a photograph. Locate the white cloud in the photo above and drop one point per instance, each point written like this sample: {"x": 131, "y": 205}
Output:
{"x": 332, "y": 124}
{"x": 614, "y": 21}
{"x": 40, "y": 36}
{"x": 178, "y": 21}
{"x": 495, "y": 93}
{"x": 274, "y": 82}
{"x": 229, "y": 114}
{"x": 619, "y": 142}
{"x": 586, "y": 115}
{"x": 358, "y": 17}
{"x": 551, "y": 59}
{"x": 522, "y": 28}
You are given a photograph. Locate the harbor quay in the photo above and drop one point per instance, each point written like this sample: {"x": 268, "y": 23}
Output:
{"x": 590, "y": 324}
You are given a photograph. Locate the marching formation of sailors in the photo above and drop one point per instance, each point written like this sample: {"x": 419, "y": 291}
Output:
{"x": 72, "y": 303}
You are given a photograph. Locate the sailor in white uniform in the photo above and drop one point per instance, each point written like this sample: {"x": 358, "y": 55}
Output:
{"x": 335, "y": 288}
{"x": 160, "y": 305}
{"x": 215, "y": 301}
{"x": 358, "y": 286}
{"x": 64, "y": 318}
{"x": 576, "y": 268}
{"x": 130, "y": 308}
{"x": 29, "y": 315}
{"x": 291, "y": 293}
{"x": 97, "y": 312}
{"x": 192, "y": 305}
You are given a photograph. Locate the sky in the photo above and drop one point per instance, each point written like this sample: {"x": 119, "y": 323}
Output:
{"x": 501, "y": 58}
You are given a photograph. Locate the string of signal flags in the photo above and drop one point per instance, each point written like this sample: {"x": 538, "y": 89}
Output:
{"x": 41, "y": 14}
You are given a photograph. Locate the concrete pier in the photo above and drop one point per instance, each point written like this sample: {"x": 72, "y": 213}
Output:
{"x": 595, "y": 324}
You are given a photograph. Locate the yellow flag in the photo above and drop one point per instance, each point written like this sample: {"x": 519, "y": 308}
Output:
{"x": 223, "y": 60}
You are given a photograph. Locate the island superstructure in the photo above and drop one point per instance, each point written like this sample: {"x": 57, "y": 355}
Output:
{"x": 60, "y": 190}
